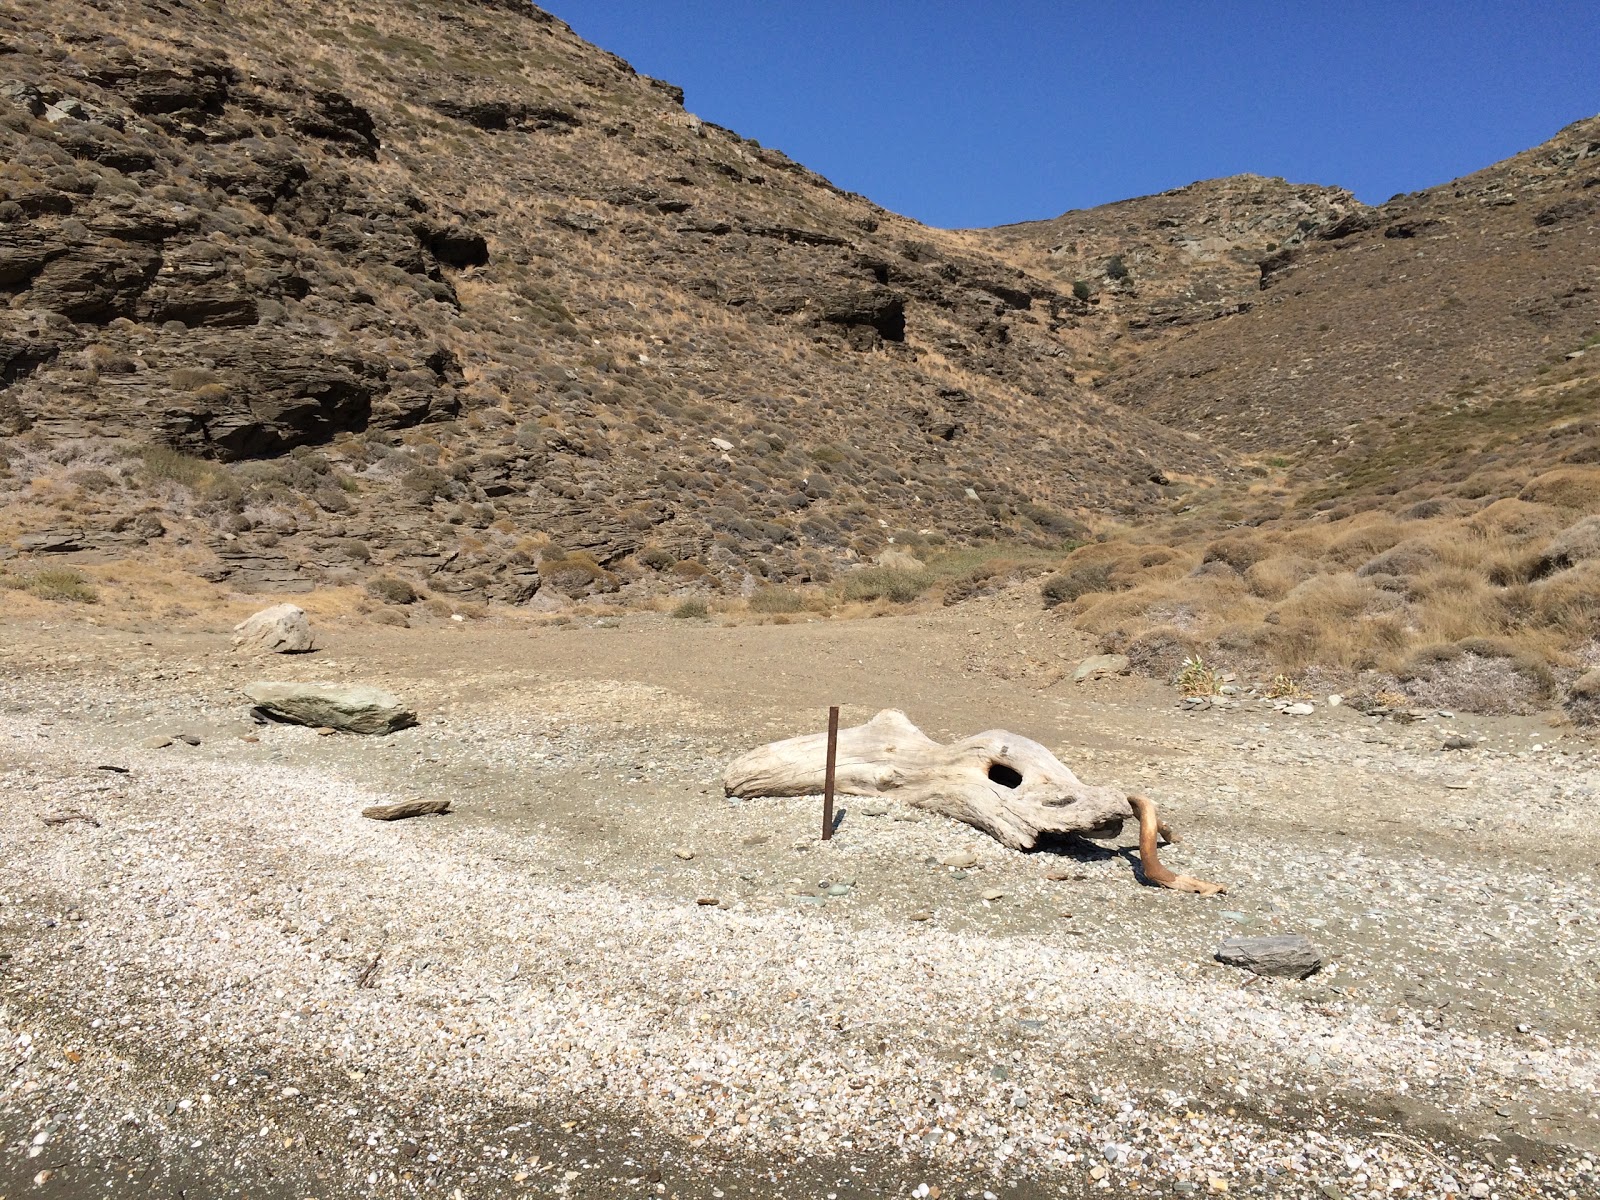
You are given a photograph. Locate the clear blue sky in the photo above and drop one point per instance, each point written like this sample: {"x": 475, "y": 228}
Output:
{"x": 977, "y": 112}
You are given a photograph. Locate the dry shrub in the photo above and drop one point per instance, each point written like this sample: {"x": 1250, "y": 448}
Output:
{"x": 1582, "y": 701}
{"x": 1365, "y": 537}
{"x": 1240, "y": 553}
{"x": 576, "y": 574}
{"x": 1488, "y": 675}
{"x": 1515, "y": 518}
{"x": 693, "y": 608}
{"x": 1574, "y": 544}
{"x": 1160, "y": 651}
{"x": 1568, "y": 604}
{"x": 1066, "y": 586}
{"x": 1410, "y": 557}
{"x": 1565, "y": 487}
{"x": 391, "y": 590}
{"x": 1275, "y": 578}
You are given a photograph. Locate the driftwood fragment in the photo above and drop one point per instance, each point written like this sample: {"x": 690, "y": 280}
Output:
{"x": 406, "y": 808}
{"x": 66, "y": 818}
{"x": 1008, "y": 786}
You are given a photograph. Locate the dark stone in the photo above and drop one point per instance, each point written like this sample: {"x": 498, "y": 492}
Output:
{"x": 458, "y": 247}
{"x": 1350, "y": 223}
{"x": 878, "y": 307}
{"x": 336, "y": 118}
{"x": 797, "y": 236}
{"x": 1276, "y": 265}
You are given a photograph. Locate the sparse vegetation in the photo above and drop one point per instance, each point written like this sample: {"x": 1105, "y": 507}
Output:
{"x": 54, "y": 583}
{"x": 692, "y": 609}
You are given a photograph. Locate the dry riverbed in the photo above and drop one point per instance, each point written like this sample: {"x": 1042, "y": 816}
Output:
{"x": 599, "y": 977}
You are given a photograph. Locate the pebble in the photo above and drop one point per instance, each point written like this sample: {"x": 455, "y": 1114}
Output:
{"x": 839, "y": 889}
{"x": 1457, "y": 742}
{"x": 156, "y": 743}
{"x": 684, "y": 853}
{"x": 707, "y": 901}
{"x": 188, "y": 739}
{"x": 994, "y": 894}
{"x": 1301, "y": 709}
{"x": 921, "y": 914}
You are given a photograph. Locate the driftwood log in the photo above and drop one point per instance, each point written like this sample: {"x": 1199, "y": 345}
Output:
{"x": 1008, "y": 786}
{"x": 403, "y": 809}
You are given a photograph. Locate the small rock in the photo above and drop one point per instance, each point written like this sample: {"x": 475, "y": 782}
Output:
{"x": 921, "y": 914}
{"x": 722, "y": 444}
{"x": 875, "y": 810}
{"x": 1301, "y": 709}
{"x": 994, "y": 894}
{"x": 1019, "y": 1098}
{"x": 684, "y": 853}
{"x": 1097, "y": 1173}
{"x": 1457, "y": 742}
{"x": 156, "y": 743}
{"x": 1063, "y": 874}
{"x": 959, "y": 858}
{"x": 757, "y": 839}
{"x": 839, "y": 889}
{"x": 1288, "y": 954}
{"x": 1101, "y": 665}
{"x": 281, "y": 629}
{"x": 707, "y": 901}
{"x": 188, "y": 739}
{"x": 324, "y": 731}
{"x": 1335, "y": 700}
{"x": 1110, "y": 1151}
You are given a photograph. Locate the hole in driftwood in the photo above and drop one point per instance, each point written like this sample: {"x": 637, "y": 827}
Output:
{"x": 1005, "y": 776}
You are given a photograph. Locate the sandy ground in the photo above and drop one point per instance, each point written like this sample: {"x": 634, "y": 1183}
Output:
{"x": 232, "y": 984}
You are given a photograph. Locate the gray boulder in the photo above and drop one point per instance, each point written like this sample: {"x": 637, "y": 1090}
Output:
{"x": 353, "y": 708}
{"x": 281, "y": 629}
{"x": 1290, "y": 954}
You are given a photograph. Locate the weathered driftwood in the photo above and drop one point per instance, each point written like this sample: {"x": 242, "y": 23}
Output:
{"x": 1008, "y": 786}
{"x": 402, "y": 809}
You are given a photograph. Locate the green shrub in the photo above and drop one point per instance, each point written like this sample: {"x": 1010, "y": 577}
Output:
{"x": 54, "y": 583}
{"x": 163, "y": 464}
{"x": 1081, "y": 289}
{"x": 777, "y": 600}
{"x": 886, "y": 583}
{"x": 691, "y": 609}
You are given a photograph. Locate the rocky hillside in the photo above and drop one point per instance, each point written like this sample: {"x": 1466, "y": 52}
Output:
{"x": 455, "y": 293}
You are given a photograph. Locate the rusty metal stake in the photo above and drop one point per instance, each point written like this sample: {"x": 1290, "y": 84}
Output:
{"x": 827, "y": 786}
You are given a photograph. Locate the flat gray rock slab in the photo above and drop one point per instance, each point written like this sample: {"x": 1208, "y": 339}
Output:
{"x": 1289, "y": 954}
{"x": 353, "y": 708}
{"x": 1101, "y": 665}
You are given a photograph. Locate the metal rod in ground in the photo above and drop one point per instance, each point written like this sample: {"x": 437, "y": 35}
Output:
{"x": 827, "y": 785}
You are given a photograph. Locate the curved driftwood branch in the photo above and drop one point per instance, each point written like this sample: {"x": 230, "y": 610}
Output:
{"x": 1008, "y": 786}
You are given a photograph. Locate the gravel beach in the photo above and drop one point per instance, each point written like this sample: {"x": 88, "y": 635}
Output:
{"x": 598, "y": 976}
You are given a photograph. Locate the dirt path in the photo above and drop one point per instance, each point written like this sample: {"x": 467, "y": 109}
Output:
{"x": 536, "y": 966}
